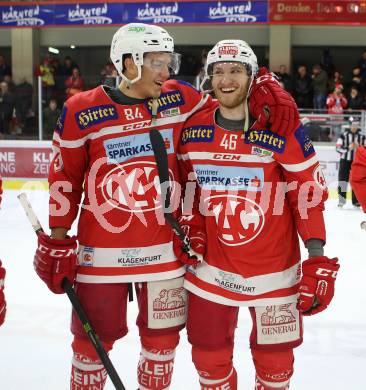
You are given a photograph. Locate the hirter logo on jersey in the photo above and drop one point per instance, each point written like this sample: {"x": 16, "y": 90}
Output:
{"x": 167, "y": 100}
{"x": 266, "y": 139}
{"x": 239, "y": 220}
{"x": 228, "y": 50}
{"x": 93, "y": 115}
{"x": 199, "y": 133}
{"x": 134, "y": 187}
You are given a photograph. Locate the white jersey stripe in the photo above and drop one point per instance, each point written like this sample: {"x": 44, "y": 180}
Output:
{"x": 150, "y": 277}
{"x": 300, "y": 166}
{"x": 126, "y": 257}
{"x": 252, "y": 286}
{"x": 233, "y": 157}
{"x": 232, "y": 302}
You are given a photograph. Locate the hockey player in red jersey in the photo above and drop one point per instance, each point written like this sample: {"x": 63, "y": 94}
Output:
{"x": 102, "y": 151}
{"x": 358, "y": 176}
{"x": 2, "y": 275}
{"x": 257, "y": 189}
{"x": 104, "y": 160}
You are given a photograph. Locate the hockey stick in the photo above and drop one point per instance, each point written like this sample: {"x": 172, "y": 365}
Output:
{"x": 76, "y": 304}
{"x": 161, "y": 158}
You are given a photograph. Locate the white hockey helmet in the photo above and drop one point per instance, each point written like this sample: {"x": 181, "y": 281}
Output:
{"x": 231, "y": 50}
{"x": 137, "y": 39}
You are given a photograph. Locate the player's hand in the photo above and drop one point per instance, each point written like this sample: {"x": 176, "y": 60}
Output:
{"x": 317, "y": 284}
{"x": 55, "y": 260}
{"x": 197, "y": 243}
{"x": 2, "y": 296}
{"x": 272, "y": 106}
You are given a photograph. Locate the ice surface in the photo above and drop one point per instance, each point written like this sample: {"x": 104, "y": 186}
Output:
{"x": 35, "y": 340}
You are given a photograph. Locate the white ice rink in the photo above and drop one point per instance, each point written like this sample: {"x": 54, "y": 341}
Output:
{"x": 35, "y": 340}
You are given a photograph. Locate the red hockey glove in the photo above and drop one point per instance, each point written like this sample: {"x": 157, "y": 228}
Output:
{"x": 317, "y": 284}
{"x": 270, "y": 104}
{"x": 198, "y": 245}
{"x": 2, "y": 296}
{"x": 55, "y": 260}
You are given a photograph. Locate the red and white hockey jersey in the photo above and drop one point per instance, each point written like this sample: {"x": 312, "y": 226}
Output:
{"x": 258, "y": 192}
{"x": 358, "y": 176}
{"x": 102, "y": 153}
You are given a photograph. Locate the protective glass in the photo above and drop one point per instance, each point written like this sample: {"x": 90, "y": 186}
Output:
{"x": 163, "y": 61}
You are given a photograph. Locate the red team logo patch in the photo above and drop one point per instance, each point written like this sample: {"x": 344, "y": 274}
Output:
{"x": 133, "y": 187}
{"x": 239, "y": 220}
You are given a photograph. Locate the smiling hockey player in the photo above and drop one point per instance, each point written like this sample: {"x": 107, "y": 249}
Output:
{"x": 258, "y": 188}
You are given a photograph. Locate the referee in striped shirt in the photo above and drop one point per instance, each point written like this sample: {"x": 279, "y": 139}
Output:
{"x": 346, "y": 146}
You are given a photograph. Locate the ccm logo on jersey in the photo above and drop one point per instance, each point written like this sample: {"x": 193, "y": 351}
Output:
{"x": 93, "y": 115}
{"x": 167, "y": 100}
{"x": 267, "y": 139}
{"x": 198, "y": 134}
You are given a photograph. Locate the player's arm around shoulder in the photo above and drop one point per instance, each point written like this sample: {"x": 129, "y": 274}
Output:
{"x": 271, "y": 105}
{"x": 193, "y": 99}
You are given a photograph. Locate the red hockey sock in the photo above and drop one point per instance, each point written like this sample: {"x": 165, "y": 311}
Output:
{"x": 215, "y": 368}
{"x": 87, "y": 372}
{"x": 155, "y": 368}
{"x": 228, "y": 383}
{"x": 273, "y": 369}
{"x": 260, "y": 384}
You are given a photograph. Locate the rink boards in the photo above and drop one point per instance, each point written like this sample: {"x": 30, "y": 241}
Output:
{"x": 25, "y": 164}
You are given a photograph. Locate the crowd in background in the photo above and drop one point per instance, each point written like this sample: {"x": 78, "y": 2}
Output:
{"x": 320, "y": 87}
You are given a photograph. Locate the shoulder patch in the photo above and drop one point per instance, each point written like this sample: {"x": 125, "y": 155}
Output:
{"x": 61, "y": 121}
{"x": 93, "y": 115}
{"x": 200, "y": 133}
{"x": 167, "y": 100}
{"x": 304, "y": 141}
{"x": 267, "y": 139}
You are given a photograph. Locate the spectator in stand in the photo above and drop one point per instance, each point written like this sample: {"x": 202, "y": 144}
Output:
{"x": 23, "y": 102}
{"x": 7, "y": 104}
{"x": 106, "y": 73}
{"x": 336, "y": 101}
{"x": 284, "y": 77}
{"x": 336, "y": 79}
{"x": 4, "y": 68}
{"x": 69, "y": 65}
{"x": 362, "y": 64}
{"x": 354, "y": 100}
{"x": 319, "y": 86}
{"x": 74, "y": 84}
{"x": 11, "y": 85}
{"x": 50, "y": 116}
{"x": 302, "y": 88}
{"x": 45, "y": 70}
{"x": 357, "y": 81}
{"x": 327, "y": 63}
{"x": 60, "y": 78}
{"x": 111, "y": 80}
